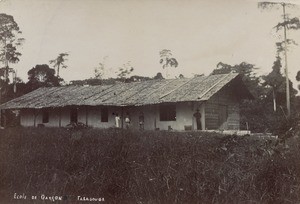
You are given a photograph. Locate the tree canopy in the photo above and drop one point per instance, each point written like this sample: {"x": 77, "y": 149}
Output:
{"x": 247, "y": 71}
{"x": 9, "y": 42}
{"x": 167, "y": 61}
{"x": 125, "y": 70}
{"x": 42, "y": 76}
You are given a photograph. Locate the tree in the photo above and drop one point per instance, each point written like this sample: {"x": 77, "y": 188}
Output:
{"x": 9, "y": 41}
{"x": 298, "y": 78}
{"x": 223, "y": 68}
{"x": 167, "y": 60}
{"x": 276, "y": 81}
{"x": 181, "y": 76}
{"x": 17, "y": 89}
{"x": 287, "y": 24}
{"x": 59, "y": 62}
{"x": 158, "y": 76}
{"x": 125, "y": 70}
{"x": 42, "y": 76}
{"x": 137, "y": 78}
{"x": 252, "y": 111}
{"x": 100, "y": 71}
{"x": 247, "y": 72}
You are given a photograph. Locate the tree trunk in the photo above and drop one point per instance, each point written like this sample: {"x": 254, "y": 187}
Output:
{"x": 288, "y": 103}
{"x": 57, "y": 71}
{"x": 274, "y": 100}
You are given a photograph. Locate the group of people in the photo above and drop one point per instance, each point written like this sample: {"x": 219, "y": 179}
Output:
{"x": 127, "y": 121}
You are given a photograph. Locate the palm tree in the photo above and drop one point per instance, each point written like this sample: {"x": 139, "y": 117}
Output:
{"x": 59, "y": 62}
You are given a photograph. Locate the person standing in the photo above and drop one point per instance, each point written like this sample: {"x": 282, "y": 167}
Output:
{"x": 117, "y": 121}
{"x": 141, "y": 121}
{"x": 197, "y": 115}
{"x": 127, "y": 121}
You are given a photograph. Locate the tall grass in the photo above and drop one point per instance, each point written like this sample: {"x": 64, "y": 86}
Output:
{"x": 148, "y": 167}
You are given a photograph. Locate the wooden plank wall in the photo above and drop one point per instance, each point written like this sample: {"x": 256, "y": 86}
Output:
{"x": 227, "y": 99}
{"x": 211, "y": 116}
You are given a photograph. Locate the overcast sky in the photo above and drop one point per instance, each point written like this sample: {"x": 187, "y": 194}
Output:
{"x": 200, "y": 33}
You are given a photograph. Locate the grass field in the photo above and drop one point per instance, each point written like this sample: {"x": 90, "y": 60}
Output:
{"x": 146, "y": 167}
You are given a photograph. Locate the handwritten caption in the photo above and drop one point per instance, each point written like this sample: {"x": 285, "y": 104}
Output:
{"x": 55, "y": 198}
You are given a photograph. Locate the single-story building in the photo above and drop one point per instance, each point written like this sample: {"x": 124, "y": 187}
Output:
{"x": 157, "y": 104}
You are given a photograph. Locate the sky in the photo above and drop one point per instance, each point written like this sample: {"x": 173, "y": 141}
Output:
{"x": 200, "y": 34}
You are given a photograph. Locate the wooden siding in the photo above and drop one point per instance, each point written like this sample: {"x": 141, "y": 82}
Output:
{"x": 224, "y": 104}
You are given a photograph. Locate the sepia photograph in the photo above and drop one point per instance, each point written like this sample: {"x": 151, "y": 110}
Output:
{"x": 149, "y": 101}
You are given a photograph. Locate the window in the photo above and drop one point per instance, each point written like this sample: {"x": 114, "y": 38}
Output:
{"x": 45, "y": 116}
{"x": 73, "y": 115}
{"x": 104, "y": 114}
{"x": 167, "y": 112}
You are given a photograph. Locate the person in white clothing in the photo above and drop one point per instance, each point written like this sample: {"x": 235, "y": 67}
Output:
{"x": 127, "y": 120}
{"x": 118, "y": 121}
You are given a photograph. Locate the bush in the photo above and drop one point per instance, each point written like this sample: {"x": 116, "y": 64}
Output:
{"x": 125, "y": 166}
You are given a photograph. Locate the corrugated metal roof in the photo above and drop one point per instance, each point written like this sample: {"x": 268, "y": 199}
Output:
{"x": 124, "y": 94}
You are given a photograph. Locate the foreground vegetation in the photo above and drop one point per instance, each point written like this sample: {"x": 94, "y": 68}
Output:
{"x": 148, "y": 167}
